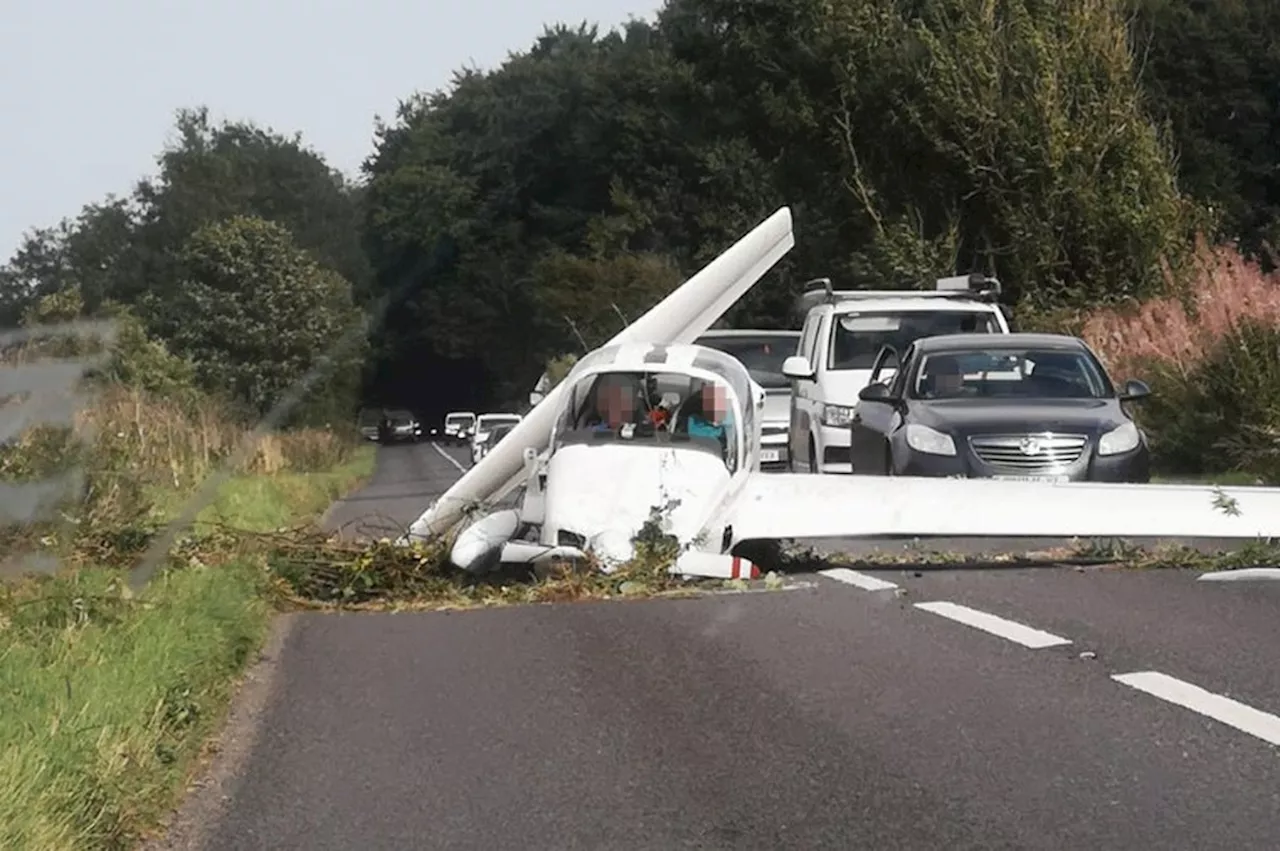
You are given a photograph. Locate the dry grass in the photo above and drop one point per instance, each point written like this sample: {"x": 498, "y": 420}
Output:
{"x": 1222, "y": 288}
{"x": 178, "y": 445}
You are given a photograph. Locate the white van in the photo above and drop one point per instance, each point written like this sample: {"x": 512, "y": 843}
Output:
{"x": 843, "y": 333}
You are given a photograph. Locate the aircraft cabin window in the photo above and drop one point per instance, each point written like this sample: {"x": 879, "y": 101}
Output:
{"x": 651, "y": 408}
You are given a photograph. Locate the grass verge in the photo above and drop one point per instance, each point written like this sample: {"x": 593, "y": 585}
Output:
{"x": 261, "y": 503}
{"x": 108, "y": 697}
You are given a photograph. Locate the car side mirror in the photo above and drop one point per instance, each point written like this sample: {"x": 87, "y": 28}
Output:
{"x": 798, "y": 367}
{"x": 877, "y": 392}
{"x": 1134, "y": 390}
{"x": 534, "y": 398}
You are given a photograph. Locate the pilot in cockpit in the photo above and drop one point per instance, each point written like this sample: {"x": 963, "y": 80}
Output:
{"x": 615, "y": 403}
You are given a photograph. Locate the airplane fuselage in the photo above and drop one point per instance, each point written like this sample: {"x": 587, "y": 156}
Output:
{"x": 599, "y": 497}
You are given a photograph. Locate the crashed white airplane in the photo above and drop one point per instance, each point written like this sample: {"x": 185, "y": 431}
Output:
{"x": 595, "y": 464}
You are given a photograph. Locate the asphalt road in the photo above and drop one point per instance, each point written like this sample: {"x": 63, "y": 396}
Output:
{"x": 891, "y": 710}
{"x": 407, "y": 477}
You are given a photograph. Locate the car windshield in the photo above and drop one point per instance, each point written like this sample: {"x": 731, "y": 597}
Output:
{"x": 1011, "y": 374}
{"x": 491, "y": 420}
{"x": 458, "y": 419}
{"x": 762, "y": 356}
{"x": 400, "y": 417}
{"x": 860, "y": 335}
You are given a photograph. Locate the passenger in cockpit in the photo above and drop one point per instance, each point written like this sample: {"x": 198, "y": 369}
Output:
{"x": 712, "y": 417}
{"x": 706, "y": 414}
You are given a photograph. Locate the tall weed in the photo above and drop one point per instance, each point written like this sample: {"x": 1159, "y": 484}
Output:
{"x": 1211, "y": 351}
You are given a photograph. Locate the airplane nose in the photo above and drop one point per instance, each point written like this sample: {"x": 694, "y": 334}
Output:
{"x": 613, "y": 546}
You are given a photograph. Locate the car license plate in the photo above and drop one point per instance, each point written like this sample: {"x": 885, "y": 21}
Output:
{"x": 768, "y": 456}
{"x": 1053, "y": 479}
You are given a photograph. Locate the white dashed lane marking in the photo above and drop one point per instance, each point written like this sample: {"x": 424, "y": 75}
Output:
{"x": 1007, "y": 629}
{"x": 446, "y": 456}
{"x": 1225, "y": 710}
{"x": 1233, "y": 713}
{"x": 859, "y": 580}
{"x": 1241, "y": 575}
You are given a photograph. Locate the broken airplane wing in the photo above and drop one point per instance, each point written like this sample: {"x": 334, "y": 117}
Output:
{"x": 681, "y": 317}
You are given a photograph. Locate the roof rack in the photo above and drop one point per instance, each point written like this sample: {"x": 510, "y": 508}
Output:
{"x": 973, "y": 287}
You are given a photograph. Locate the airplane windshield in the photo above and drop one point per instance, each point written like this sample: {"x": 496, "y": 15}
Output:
{"x": 651, "y": 408}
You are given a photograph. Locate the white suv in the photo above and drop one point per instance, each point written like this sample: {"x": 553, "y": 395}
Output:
{"x": 843, "y": 333}
{"x": 485, "y": 424}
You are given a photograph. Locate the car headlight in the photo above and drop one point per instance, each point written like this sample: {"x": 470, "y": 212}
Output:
{"x": 837, "y": 416}
{"x": 1123, "y": 439}
{"x": 930, "y": 441}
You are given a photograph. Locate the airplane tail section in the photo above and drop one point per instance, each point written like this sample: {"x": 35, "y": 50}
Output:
{"x": 679, "y": 318}
{"x": 715, "y": 566}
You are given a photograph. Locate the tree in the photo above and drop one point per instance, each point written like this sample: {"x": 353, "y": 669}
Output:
{"x": 1211, "y": 71}
{"x": 1001, "y": 135}
{"x": 261, "y": 314}
{"x": 584, "y": 147}
{"x": 217, "y": 171}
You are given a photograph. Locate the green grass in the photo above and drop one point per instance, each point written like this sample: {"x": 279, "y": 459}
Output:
{"x": 107, "y": 699}
{"x": 266, "y": 503}
{"x": 1228, "y": 479}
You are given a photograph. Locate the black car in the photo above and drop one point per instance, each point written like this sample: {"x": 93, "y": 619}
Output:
{"x": 1016, "y": 406}
{"x": 399, "y": 425}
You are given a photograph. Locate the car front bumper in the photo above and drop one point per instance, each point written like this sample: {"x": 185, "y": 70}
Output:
{"x": 1125, "y": 467}
{"x": 773, "y": 452}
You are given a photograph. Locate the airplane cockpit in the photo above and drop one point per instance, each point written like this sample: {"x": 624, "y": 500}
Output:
{"x": 698, "y": 409}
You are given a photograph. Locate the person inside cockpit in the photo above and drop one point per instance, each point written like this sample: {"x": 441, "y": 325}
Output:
{"x": 706, "y": 413}
{"x": 615, "y": 403}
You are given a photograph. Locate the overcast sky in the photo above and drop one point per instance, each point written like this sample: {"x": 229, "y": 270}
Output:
{"x": 88, "y": 88}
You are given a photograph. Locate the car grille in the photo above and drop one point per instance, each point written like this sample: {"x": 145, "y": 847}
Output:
{"x": 772, "y": 430}
{"x": 1029, "y": 453}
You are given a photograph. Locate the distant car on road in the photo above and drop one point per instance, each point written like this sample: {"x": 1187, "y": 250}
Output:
{"x": 495, "y": 436}
{"x": 762, "y": 353}
{"x": 398, "y": 426}
{"x": 459, "y": 426}
{"x": 1005, "y": 406}
{"x": 485, "y": 424}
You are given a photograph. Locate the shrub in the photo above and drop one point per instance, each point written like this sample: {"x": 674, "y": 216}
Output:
{"x": 1222, "y": 290}
{"x": 1211, "y": 351}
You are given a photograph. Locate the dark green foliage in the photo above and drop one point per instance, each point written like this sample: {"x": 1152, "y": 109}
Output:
{"x": 1224, "y": 414}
